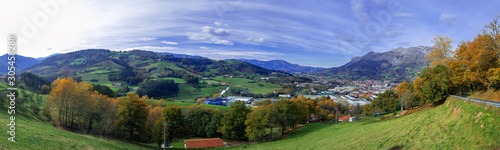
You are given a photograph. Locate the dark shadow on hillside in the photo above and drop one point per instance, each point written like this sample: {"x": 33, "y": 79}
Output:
{"x": 437, "y": 103}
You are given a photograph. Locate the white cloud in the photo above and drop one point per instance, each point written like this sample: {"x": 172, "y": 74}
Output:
{"x": 169, "y": 43}
{"x": 219, "y": 41}
{"x": 448, "y": 19}
{"x": 211, "y": 34}
{"x": 220, "y": 24}
{"x": 204, "y": 47}
{"x": 146, "y": 39}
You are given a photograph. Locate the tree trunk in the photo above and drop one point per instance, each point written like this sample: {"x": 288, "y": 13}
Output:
{"x": 89, "y": 128}
{"x": 131, "y": 133}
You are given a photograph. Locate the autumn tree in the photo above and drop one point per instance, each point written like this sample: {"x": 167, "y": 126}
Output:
{"x": 157, "y": 131}
{"x": 154, "y": 114}
{"x": 257, "y": 121}
{"x": 233, "y": 123}
{"x": 201, "y": 100}
{"x": 492, "y": 30}
{"x": 441, "y": 50}
{"x": 405, "y": 92}
{"x": 287, "y": 114}
{"x": 106, "y": 109}
{"x": 132, "y": 115}
{"x": 174, "y": 119}
{"x": 70, "y": 103}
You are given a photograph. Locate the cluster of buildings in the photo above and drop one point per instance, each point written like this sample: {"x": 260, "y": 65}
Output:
{"x": 228, "y": 101}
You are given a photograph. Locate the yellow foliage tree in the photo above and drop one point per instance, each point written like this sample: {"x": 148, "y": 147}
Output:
{"x": 70, "y": 102}
{"x": 441, "y": 50}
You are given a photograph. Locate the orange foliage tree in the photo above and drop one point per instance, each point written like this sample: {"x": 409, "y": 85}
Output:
{"x": 71, "y": 103}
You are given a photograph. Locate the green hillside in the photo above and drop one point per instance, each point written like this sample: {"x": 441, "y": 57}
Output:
{"x": 452, "y": 125}
{"x": 42, "y": 135}
{"x": 105, "y": 67}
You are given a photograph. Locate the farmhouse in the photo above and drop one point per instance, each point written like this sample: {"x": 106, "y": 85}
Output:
{"x": 344, "y": 118}
{"x": 204, "y": 143}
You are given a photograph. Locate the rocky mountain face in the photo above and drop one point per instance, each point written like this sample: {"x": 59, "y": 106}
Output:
{"x": 396, "y": 65}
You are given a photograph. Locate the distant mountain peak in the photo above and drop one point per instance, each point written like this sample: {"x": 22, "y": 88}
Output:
{"x": 397, "y": 64}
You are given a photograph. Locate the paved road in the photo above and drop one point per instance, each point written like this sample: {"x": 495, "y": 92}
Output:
{"x": 487, "y": 102}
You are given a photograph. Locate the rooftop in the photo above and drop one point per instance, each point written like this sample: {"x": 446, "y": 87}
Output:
{"x": 204, "y": 143}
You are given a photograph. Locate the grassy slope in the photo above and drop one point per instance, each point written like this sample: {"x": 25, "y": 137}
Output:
{"x": 246, "y": 83}
{"x": 453, "y": 125}
{"x": 42, "y": 135}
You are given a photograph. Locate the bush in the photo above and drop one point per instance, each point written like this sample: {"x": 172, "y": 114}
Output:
{"x": 45, "y": 89}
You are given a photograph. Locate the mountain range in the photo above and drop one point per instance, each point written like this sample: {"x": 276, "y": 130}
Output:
{"x": 281, "y": 65}
{"x": 21, "y": 63}
{"x": 396, "y": 65}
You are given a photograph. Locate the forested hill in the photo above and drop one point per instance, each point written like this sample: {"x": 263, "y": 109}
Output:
{"x": 136, "y": 65}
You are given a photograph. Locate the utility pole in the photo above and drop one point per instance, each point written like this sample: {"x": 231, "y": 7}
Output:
{"x": 336, "y": 115}
{"x": 401, "y": 101}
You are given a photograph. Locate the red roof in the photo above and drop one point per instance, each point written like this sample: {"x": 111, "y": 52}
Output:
{"x": 204, "y": 143}
{"x": 344, "y": 118}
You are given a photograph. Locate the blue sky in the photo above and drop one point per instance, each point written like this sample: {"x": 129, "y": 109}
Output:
{"x": 314, "y": 33}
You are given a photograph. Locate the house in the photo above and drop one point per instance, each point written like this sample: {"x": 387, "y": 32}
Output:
{"x": 344, "y": 118}
{"x": 314, "y": 118}
{"x": 204, "y": 143}
{"x": 210, "y": 83}
{"x": 204, "y": 78}
{"x": 118, "y": 84}
{"x": 223, "y": 83}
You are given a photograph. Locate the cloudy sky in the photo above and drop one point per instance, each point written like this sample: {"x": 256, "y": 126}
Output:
{"x": 324, "y": 33}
